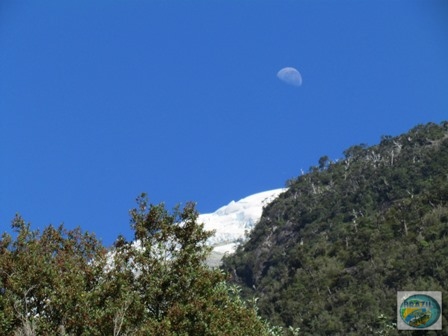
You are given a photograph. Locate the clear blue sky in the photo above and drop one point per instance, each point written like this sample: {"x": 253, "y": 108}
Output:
{"x": 102, "y": 100}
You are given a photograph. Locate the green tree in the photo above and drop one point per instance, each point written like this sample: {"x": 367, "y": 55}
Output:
{"x": 64, "y": 282}
{"x": 173, "y": 291}
{"x": 330, "y": 254}
{"x": 46, "y": 278}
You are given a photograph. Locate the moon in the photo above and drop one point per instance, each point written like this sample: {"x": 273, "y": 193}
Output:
{"x": 290, "y": 76}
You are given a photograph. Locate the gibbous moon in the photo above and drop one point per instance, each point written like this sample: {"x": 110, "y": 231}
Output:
{"x": 290, "y": 76}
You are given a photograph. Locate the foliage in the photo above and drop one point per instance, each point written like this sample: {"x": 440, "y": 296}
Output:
{"x": 46, "y": 278}
{"x": 60, "y": 282}
{"x": 329, "y": 254}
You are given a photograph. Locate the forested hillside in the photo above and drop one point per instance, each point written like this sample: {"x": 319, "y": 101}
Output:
{"x": 329, "y": 254}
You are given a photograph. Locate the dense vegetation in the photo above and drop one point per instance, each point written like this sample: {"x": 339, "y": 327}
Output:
{"x": 60, "y": 282}
{"x": 329, "y": 254}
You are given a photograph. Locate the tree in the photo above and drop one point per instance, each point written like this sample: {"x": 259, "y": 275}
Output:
{"x": 46, "y": 279}
{"x": 64, "y": 282}
{"x": 330, "y": 254}
{"x": 324, "y": 161}
{"x": 173, "y": 291}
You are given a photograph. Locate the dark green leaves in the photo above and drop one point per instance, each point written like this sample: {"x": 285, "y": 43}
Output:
{"x": 62, "y": 282}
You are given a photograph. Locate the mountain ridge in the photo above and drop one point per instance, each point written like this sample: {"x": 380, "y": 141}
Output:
{"x": 350, "y": 234}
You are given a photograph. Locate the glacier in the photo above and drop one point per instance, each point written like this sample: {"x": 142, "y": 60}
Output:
{"x": 234, "y": 221}
{"x": 231, "y": 224}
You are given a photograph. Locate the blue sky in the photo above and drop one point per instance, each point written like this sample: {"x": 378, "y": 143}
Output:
{"x": 102, "y": 100}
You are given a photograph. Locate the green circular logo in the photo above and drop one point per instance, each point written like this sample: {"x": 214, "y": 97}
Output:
{"x": 420, "y": 311}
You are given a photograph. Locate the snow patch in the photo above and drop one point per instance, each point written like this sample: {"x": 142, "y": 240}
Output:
{"x": 235, "y": 220}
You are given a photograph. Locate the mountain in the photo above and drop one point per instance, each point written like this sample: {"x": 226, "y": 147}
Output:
{"x": 330, "y": 253}
{"x": 234, "y": 221}
{"x": 230, "y": 224}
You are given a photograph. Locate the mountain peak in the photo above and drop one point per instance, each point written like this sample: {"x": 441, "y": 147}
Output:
{"x": 233, "y": 221}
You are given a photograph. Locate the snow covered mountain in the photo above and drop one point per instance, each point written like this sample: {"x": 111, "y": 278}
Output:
{"x": 232, "y": 221}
